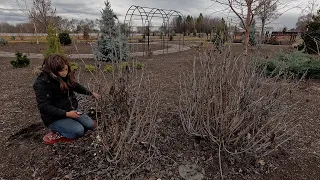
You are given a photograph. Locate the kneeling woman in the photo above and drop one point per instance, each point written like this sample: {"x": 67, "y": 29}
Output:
{"x": 56, "y": 100}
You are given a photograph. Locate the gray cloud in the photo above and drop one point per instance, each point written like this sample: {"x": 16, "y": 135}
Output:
{"x": 286, "y": 20}
{"x": 11, "y": 15}
{"x": 81, "y": 9}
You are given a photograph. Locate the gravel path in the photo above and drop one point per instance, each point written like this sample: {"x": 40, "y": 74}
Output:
{"x": 174, "y": 48}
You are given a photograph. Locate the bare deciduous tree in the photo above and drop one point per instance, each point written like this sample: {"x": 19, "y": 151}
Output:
{"x": 26, "y": 7}
{"x": 311, "y": 8}
{"x": 86, "y": 25}
{"x": 16, "y": 28}
{"x": 267, "y": 12}
{"x": 271, "y": 10}
{"x": 39, "y": 12}
{"x": 177, "y": 24}
{"x": 43, "y": 13}
{"x": 306, "y": 16}
{"x": 247, "y": 10}
{"x": 210, "y": 25}
{"x": 303, "y": 21}
{"x": 67, "y": 25}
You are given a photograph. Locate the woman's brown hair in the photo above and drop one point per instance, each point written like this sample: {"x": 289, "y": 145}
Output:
{"x": 55, "y": 63}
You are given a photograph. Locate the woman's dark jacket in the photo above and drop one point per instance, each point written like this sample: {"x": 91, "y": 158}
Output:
{"x": 53, "y": 103}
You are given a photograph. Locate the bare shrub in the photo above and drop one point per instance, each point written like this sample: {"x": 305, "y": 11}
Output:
{"x": 129, "y": 115}
{"x": 226, "y": 100}
{"x": 126, "y": 114}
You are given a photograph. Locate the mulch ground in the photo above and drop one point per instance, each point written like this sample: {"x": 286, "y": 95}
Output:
{"x": 24, "y": 156}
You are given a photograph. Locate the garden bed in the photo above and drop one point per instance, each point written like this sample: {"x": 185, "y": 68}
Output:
{"x": 24, "y": 156}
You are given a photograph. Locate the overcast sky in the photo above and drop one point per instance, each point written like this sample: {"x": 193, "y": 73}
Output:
{"x": 81, "y": 9}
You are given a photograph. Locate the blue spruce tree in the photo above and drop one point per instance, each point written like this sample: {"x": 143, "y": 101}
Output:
{"x": 112, "y": 44}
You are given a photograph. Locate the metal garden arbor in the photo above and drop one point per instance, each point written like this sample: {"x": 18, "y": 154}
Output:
{"x": 146, "y": 14}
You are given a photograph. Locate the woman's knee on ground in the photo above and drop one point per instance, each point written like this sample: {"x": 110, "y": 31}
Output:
{"x": 86, "y": 122}
{"x": 78, "y": 131}
{"x": 68, "y": 128}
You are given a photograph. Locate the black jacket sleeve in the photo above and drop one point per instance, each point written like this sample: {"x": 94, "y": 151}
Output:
{"x": 81, "y": 90}
{"x": 44, "y": 101}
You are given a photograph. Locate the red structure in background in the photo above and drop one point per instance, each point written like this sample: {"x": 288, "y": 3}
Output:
{"x": 282, "y": 38}
{"x": 275, "y": 38}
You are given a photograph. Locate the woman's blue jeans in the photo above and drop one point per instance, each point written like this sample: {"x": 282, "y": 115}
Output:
{"x": 72, "y": 128}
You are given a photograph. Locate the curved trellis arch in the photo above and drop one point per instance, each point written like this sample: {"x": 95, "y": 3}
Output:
{"x": 147, "y": 14}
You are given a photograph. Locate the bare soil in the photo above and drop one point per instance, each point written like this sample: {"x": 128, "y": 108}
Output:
{"x": 24, "y": 156}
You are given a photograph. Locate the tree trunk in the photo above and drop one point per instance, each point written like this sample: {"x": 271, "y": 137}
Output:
{"x": 262, "y": 38}
{"x": 35, "y": 30}
{"x": 246, "y": 41}
{"x": 247, "y": 25}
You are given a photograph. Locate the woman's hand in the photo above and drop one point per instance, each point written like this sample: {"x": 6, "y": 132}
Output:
{"x": 95, "y": 95}
{"x": 72, "y": 114}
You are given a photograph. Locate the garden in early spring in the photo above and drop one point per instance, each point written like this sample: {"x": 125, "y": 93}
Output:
{"x": 189, "y": 99}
